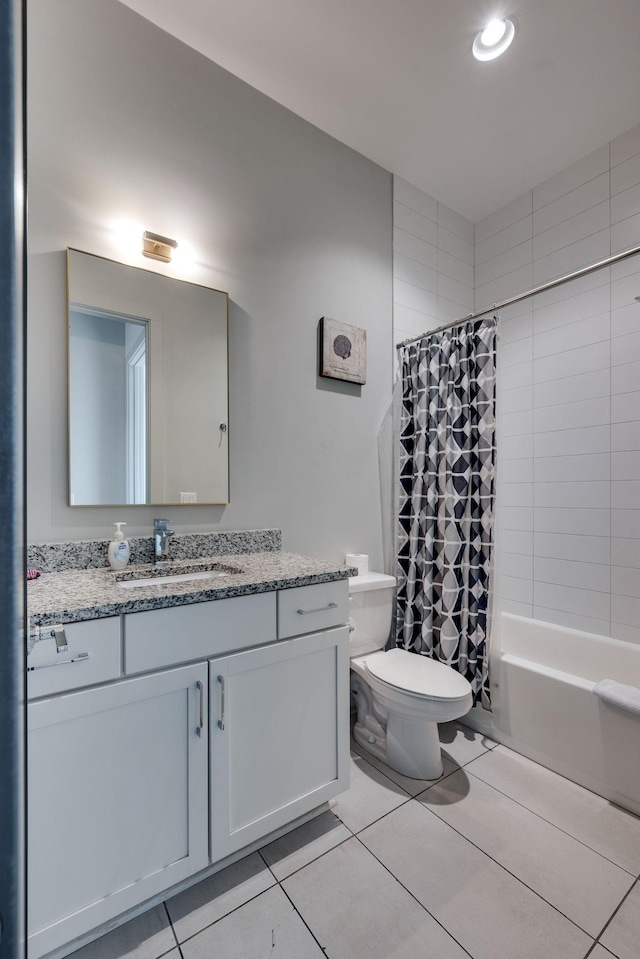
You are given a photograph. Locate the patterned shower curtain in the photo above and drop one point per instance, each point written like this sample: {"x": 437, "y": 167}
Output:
{"x": 447, "y": 488}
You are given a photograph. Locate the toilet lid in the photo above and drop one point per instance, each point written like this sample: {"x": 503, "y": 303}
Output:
{"x": 419, "y": 675}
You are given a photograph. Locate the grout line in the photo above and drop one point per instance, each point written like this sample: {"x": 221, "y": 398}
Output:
{"x": 382, "y": 773}
{"x": 611, "y": 537}
{"x": 170, "y": 923}
{"x": 123, "y": 926}
{"x": 417, "y": 212}
{"x": 568, "y": 219}
{"x": 554, "y": 582}
{"x": 615, "y": 913}
{"x": 397, "y": 784}
{"x": 573, "y": 188}
{"x": 494, "y": 297}
{"x": 414, "y": 897}
{"x": 303, "y": 920}
{"x": 439, "y": 227}
{"x": 434, "y": 269}
{"x": 507, "y": 870}
{"x": 315, "y": 858}
{"x": 276, "y": 882}
{"x": 396, "y": 226}
{"x": 567, "y": 455}
{"x": 235, "y": 908}
{"x": 553, "y": 532}
{"x": 593, "y": 946}
{"x": 569, "y": 349}
{"x": 570, "y": 245}
{"x": 477, "y": 242}
{"x": 551, "y": 823}
{"x": 496, "y": 256}
{"x": 509, "y": 247}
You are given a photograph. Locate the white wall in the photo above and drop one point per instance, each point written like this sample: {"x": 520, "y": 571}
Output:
{"x": 432, "y": 262}
{"x": 125, "y": 122}
{"x": 432, "y": 285}
{"x": 569, "y": 394}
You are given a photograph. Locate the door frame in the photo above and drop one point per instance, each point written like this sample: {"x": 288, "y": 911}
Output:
{"x": 12, "y": 573}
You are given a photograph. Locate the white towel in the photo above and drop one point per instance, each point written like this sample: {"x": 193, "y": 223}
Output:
{"x": 617, "y": 694}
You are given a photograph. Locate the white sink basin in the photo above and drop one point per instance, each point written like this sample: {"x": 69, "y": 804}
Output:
{"x": 166, "y": 580}
{"x": 133, "y": 578}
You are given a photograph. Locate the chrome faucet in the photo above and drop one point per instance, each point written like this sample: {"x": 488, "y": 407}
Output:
{"x": 161, "y": 534}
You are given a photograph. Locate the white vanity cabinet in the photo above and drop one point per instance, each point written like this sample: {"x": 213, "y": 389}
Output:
{"x": 117, "y": 799}
{"x": 279, "y": 735}
{"x": 165, "y": 740}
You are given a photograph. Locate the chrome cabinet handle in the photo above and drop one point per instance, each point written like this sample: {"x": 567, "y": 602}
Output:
{"x": 200, "y": 689}
{"x": 80, "y": 658}
{"x": 221, "y": 720}
{"x": 320, "y": 609}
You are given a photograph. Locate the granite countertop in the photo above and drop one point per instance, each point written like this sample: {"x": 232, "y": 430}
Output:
{"x": 76, "y": 595}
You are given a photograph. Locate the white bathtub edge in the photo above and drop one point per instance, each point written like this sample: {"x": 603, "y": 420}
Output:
{"x": 551, "y": 715}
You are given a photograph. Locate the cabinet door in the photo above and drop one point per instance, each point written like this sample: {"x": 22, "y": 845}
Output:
{"x": 118, "y": 799}
{"x": 279, "y": 737}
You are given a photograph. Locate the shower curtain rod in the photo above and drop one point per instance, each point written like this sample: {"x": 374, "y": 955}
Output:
{"x": 616, "y": 258}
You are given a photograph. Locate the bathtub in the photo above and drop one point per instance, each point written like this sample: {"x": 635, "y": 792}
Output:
{"x": 544, "y": 705}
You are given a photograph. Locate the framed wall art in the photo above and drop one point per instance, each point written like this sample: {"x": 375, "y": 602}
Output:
{"x": 343, "y": 351}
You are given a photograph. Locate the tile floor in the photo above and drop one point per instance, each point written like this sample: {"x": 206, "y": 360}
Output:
{"x": 498, "y": 859}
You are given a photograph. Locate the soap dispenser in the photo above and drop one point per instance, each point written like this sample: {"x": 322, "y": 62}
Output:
{"x": 118, "y": 549}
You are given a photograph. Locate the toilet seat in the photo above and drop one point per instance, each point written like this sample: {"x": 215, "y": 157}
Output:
{"x": 417, "y": 675}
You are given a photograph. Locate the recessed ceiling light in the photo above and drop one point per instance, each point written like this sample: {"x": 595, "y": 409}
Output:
{"x": 494, "y": 39}
{"x": 493, "y": 33}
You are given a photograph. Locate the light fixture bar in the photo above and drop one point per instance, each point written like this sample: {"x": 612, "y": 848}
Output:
{"x": 158, "y": 247}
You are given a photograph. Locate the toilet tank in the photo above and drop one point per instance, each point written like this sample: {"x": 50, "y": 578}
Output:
{"x": 371, "y": 599}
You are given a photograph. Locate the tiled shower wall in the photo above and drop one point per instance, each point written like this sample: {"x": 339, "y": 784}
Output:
{"x": 432, "y": 262}
{"x": 569, "y": 394}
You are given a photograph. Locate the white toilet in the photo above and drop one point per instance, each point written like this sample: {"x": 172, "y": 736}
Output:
{"x": 400, "y": 697}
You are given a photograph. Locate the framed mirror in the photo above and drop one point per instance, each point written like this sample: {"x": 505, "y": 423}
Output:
{"x": 147, "y": 387}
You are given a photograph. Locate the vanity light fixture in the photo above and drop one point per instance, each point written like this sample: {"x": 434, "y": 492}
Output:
{"x": 494, "y": 39}
{"x": 158, "y": 247}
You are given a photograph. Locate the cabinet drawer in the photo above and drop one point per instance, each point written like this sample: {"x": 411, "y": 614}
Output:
{"x": 180, "y": 634}
{"x": 51, "y": 672}
{"x": 306, "y": 609}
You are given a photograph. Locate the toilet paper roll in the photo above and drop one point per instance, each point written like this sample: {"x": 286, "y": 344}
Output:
{"x": 359, "y": 560}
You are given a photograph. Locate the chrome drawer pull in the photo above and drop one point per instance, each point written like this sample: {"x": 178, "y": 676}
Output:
{"x": 80, "y": 658}
{"x": 320, "y": 609}
{"x": 200, "y": 689}
{"x": 221, "y": 720}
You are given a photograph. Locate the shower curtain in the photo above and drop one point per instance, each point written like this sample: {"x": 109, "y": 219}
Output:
{"x": 446, "y": 501}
